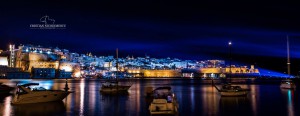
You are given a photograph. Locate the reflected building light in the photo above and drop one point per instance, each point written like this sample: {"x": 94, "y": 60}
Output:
{"x": 7, "y": 107}
{"x": 81, "y": 109}
{"x": 254, "y": 100}
{"x": 92, "y": 98}
{"x": 192, "y": 97}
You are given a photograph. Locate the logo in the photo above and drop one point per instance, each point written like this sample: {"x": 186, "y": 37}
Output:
{"x": 47, "y": 23}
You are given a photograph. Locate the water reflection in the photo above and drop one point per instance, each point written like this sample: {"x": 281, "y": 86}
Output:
{"x": 40, "y": 109}
{"x": 239, "y": 106}
{"x": 210, "y": 98}
{"x": 114, "y": 104}
{"x": 289, "y": 94}
{"x": 194, "y": 98}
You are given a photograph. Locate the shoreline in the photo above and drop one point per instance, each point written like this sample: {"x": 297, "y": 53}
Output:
{"x": 191, "y": 81}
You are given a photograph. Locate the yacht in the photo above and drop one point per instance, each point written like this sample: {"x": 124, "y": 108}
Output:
{"x": 5, "y": 89}
{"x": 287, "y": 84}
{"x": 25, "y": 94}
{"x": 164, "y": 102}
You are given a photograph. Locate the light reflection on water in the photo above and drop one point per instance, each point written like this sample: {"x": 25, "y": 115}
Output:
{"x": 194, "y": 98}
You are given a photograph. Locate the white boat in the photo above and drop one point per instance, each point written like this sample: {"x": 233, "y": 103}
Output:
{"x": 164, "y": 102}
{"x": 25, "y": 94}
{"x": 287, "y": 84}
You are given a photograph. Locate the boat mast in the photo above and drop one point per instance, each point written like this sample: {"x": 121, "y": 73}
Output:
{"x": 229, "y": 43}
{"x": 117, "y": 64}
{"x": 288, "y": 57}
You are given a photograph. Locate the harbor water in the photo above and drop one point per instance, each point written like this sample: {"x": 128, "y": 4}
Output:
{"x": 195, "y": 98}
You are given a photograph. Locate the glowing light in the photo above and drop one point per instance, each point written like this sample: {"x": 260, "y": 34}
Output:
{"x": 77, "y": 74}
{"x": 229, "y": 43}
{"x": 66, "y": 68}
{"x": 3, "y": 61}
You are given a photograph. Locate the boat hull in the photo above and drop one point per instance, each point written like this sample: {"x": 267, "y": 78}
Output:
{"x": 163, "y": 108}
{"x": 39, "y": 97}
{"x": 5, "y": 89}
{"x": 233, "y": 93}
{"x": 287, "y": 86}
{"x": 114, "y": 89}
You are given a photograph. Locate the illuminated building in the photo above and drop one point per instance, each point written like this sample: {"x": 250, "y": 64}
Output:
{"x": 12, "y": 58}
{"x": 65, "y": 68}
{"x": 43, "y": 64}
{"x": 3, "y": 61}
{"x": 243, "y": 69}
{"x": 161, "y": 73}
{"x": 135, "y": 72}
{"x": 211, "y": 72}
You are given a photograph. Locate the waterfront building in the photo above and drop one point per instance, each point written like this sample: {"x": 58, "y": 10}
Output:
{"x": 70, "y": 67}
{"x": 12, "y": 57}
{"x": 43, "y": 73}
{"x": 5, "y": 69}
{"x": 162, "y": 73}
{"x": 18, "y": 75}
{"x": 64, "y": 74}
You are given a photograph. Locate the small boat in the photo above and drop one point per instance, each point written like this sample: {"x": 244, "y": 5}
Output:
{"x": 228, "y": 90}
{"x": 164, "y": 102}
{"x": 287, "y": 84}
{"x": 113, "y": 86}
{"x": 25, "y": 94}
{"x": 5, "y": 88}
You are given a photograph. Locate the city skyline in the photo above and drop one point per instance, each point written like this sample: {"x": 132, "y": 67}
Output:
{"x": 160, "y": 29}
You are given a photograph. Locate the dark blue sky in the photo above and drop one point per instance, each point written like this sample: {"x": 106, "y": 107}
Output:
{"x": 160, "y": 28}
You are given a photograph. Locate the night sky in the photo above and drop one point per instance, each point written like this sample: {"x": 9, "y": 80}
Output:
{"x": 161, "y": 28}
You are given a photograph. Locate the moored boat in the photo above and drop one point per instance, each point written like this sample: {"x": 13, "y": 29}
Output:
{"x": 112, "y": 85}
{"x": 228, "y": 90}
{"x": 25, "y": 94}
{"x": 287, "y": 84}
{"x": 164, "y": 102}
{"x": 5, "y": 88}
